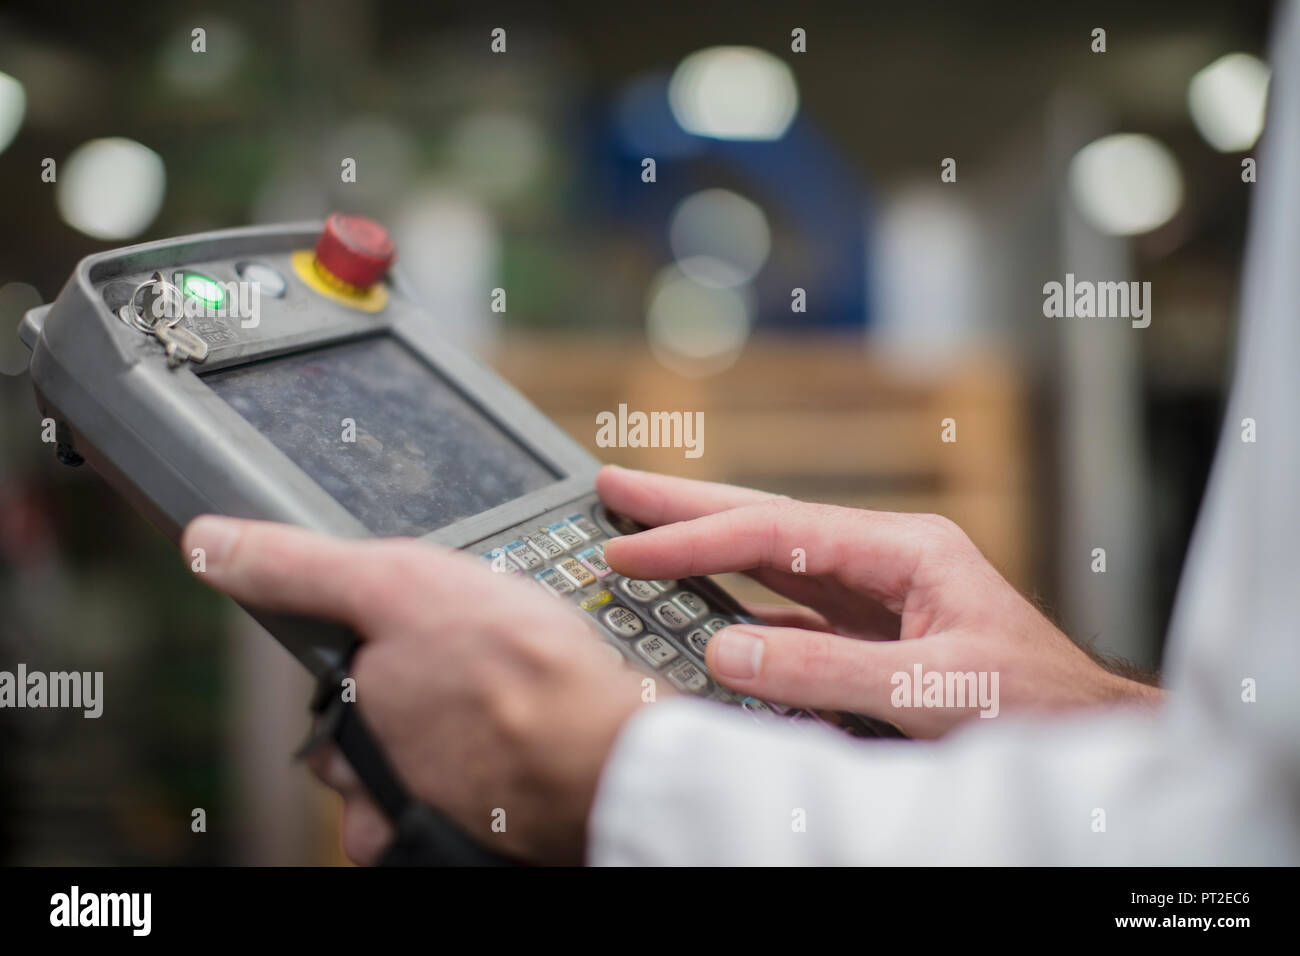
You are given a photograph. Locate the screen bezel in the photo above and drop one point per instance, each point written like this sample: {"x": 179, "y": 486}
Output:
{"x": 508, "y": 411}
{"x": 175, "y": 449}
{"x": 553, "y": 470}
{"x": 301, "y": 500}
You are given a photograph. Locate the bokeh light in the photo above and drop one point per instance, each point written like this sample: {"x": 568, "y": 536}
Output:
{"x": 1227, "y": 100}
{"x": 13, "y": 106}
{"x": 696, "y": 328}
{"x": 1126, "y": 183}
{"x": 111, "y": 188}
{"x": 734, "y": 92}
{"x": 450, "y": 255}
{"x": 719, "y": 237}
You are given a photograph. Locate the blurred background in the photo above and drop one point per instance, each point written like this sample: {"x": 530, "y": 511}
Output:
{"x": 800, "y": 268}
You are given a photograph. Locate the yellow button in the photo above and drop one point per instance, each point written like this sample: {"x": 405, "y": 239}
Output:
{"x": 595, "y": 600}
{"x": 366, "y": 300}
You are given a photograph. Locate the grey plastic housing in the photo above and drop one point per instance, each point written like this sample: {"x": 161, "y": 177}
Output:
{"x": 174, "y": 449}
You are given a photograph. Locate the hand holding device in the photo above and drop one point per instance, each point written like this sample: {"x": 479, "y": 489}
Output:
{"x": 494, "y": 702}
{"x": 497, "y": 706}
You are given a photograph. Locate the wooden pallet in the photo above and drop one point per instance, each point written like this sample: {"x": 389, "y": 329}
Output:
{"x": 815, "y": 419}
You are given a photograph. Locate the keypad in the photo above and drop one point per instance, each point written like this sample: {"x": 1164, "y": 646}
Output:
{"x": 642, "y": 591}
{"x": 593, "y": 601}
{"x": 698, "y": 641}
{"x": 577, "y": 572}
{"x": 656, "y": 650}
{"x": 585, "y": 525}
{"x": 546, "y": 545}
{"x": 566, "y": 535}
{"x": 692, "y": 604}
{"x": 521, "y": 553}
{"x": 671, "y": 616}
{"x": 689, "y": 678}
{"x": 496, "y": 559}
{"x": 662, "y": 626}
{"x": 622, "y": 621}
{"x": 554, "y": 580}
{"x": 595, "y": 562}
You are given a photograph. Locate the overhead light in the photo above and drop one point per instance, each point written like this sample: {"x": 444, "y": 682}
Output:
{"x": 111, "y": 188}
{"x": 1227, "y": 101}
{"x": 1126, "y": 183}
{"x": 733, "y": 92}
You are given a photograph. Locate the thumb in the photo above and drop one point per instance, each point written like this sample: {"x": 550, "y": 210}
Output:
{"x": 811, "y": 668}
{"x": 278, "y": 567}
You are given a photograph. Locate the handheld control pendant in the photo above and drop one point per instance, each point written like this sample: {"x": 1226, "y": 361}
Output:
{"x": 218, "y": 373}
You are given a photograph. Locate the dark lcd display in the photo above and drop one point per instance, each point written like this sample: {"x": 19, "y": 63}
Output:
{"x": 421, "y": 456}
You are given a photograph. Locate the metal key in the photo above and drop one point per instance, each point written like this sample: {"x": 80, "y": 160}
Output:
{"x": 181, "y": 344}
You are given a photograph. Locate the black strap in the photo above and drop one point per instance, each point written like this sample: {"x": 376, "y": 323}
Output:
{"x": 424, "y": 836}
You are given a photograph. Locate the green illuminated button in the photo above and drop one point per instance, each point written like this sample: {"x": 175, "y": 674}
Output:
{"x": 208, "y": 291}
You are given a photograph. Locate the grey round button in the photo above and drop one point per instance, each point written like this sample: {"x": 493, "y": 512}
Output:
{"x": 268, "y": 280}
{"x": 692, "y": 604}
{"x": 689, "y": 678}
{"x": 623, "y": 622}
{"x": 671, "y": 616}
{"x": 639, "y": 590}
{"x": 656, "y": 650}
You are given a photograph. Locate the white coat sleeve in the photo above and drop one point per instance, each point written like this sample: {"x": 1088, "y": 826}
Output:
{"x": 695, "y": 783}
{"x": 1214, "y": 779}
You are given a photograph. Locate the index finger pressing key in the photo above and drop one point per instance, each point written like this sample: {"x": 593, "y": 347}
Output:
{"x": 869, "y": 550}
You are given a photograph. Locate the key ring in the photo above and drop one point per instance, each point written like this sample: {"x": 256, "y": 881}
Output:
{"x": 169, "y": 291}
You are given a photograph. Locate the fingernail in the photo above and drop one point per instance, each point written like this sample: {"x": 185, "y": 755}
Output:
{"x": 739, "y": 654}
{"x": 216, "y": 536}
{"x": 612, "y": 556}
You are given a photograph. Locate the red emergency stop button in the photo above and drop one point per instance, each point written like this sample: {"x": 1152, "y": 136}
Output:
{"x": 354, "y": 251}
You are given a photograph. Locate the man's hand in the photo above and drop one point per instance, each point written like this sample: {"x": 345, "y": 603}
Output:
{"x": 486, "y": 693}
{"x": 881, "y": 593}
